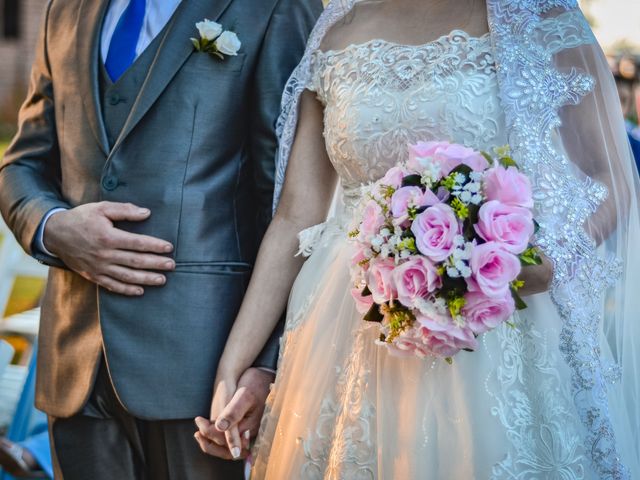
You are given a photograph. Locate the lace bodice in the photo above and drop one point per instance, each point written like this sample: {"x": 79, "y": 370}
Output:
{"x": 380, "y": 96}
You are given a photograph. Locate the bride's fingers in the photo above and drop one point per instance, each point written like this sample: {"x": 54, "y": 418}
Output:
{"x": 210, "y": 448}
{"x": 234, "y": 442}
{"x": 207, "y": 429}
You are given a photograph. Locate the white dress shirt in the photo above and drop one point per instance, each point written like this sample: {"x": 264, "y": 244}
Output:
{"x": 157, "y": 15}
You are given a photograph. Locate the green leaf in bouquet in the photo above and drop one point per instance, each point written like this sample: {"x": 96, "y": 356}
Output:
{"x": 520, "y": 305}
{"x": 449, "y": 360}
{"x": 461, "y": 210}
{"x": 387, "y": 191}
{"x": 530, "y": 257}
{"x": 196, "y": 44}
{"x": 462, "y": 168}
{"x": 456, "y": 304}
{"x": 487, "y": 157}
{"x": 474, "y": 213}
{"x": 453, "y": 287}
{"x": 374, "y": 315}
{"x": 536, "y": 227}
{"x": 507, "y": 162}
{"x": 412, "y": 181}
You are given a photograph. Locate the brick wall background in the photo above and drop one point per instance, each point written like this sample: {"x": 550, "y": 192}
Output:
{"x": 16, "y": 57}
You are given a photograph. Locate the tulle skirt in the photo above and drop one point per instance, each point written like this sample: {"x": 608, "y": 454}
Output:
{"x": 342, "y": 407}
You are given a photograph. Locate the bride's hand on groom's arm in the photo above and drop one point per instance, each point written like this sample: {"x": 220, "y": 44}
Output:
{"x": 87, "y": 241}
{"x": 236, "y": 411}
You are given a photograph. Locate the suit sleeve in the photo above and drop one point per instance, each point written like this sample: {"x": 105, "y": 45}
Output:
{"x": 30, "y": 170}
{"x": 283, "y": 47}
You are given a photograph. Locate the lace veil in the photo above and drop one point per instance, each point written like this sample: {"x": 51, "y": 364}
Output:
{"x": 566, "y": 129}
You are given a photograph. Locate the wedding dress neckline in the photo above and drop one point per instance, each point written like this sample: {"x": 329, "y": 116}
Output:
{"x": 441, "y": 40}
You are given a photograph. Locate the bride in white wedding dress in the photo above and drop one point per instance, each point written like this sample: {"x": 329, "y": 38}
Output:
{"x": 553, "y": 398}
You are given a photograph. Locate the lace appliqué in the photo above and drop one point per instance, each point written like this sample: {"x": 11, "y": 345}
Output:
{"x": 380, "y": 97}
{"x": 533, "y": 90}
{"x": 534, "y": 406}
{"x": 341, "y": 447}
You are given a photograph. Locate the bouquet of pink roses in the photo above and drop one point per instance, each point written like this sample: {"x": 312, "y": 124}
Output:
{"x": 441, "y": 240}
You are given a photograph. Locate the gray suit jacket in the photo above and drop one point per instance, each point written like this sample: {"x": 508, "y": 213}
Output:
{"x": 198, "y": 149}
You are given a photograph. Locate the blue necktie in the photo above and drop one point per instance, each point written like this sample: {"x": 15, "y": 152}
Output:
{"x": 122, "y": 50}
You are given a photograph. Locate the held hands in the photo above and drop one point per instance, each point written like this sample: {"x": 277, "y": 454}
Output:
{"x": 85, "y": 239}
{"x": 236, "y": 411}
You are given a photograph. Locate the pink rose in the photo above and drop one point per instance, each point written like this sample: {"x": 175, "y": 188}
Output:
{"x": 435, "y": 230}
{"x": 363, "y": 304}
{"x": 408, "y": 344}
{"x": 493, "y": 269}
{"x": 393, "y": 177}
{"x": 508, "y": 225}
{"x": 406, "y": 197}
{"x": 483, "y": 313}
{"x": 423, "y": 150}
{"x": 509, "y": 186}
{"x": 359, "y": 258}
{"x": 380, "y": 280}
{"x": 444, "y": 338}
{"x": 372, "y": 219}
{"x": 414, "y": 279}
{"x": 449, "y": 155}
{"x": 456, "y": 155}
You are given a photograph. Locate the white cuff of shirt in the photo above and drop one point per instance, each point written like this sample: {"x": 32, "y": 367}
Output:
{"x": 39, "y": 243}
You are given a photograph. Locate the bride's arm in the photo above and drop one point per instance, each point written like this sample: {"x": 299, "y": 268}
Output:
{"x": 306, "y": 197}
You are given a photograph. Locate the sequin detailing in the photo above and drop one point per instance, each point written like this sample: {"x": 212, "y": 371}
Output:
{"x": 533, "y": 90}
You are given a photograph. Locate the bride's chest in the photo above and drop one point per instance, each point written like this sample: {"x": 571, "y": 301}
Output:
{"x": 379, "y": 97}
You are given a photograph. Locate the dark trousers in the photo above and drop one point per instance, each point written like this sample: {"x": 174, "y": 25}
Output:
{"x": 104, "y": 442}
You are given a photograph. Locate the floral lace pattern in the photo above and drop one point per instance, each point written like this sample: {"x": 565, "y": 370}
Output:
{"x": 533, "y": 90}
{"x": 534, "y": 405}
{"x": 380, "y": 96}
{"x": 341, "y": 447}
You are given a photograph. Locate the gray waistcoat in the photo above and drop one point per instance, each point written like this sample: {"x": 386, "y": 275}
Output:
{"x": 118, "y": 98}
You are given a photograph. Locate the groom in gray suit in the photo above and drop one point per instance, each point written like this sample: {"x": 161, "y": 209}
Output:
{"x": 142, "y": 172}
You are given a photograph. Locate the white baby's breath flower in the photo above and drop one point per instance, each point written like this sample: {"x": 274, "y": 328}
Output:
{"x": 452, "y": 272}
{"x": 473, "y": 187}
{"x": 460, "y": 177}
{"x": 209, "y": 30}
{"x": 228, "y": 43}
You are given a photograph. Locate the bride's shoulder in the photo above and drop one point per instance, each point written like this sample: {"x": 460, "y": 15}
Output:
{"x": 353, "y": 28}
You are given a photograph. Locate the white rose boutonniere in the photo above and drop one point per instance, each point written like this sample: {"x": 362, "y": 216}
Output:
{"x": 228, "y": 43}
{"x": 215, "y": 40}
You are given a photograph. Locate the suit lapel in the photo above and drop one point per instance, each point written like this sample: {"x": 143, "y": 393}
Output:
{"x": 174, "y": 50}
{"x": 90, "y": 18}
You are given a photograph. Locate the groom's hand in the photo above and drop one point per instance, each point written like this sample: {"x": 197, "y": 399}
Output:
{"x": 239, "y": 420}
{"x": 85, "y": 239}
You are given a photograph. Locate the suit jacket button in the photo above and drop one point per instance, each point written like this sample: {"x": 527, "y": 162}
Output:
{"x": 110, "y": 182}
{"x": 114, "y": 99}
